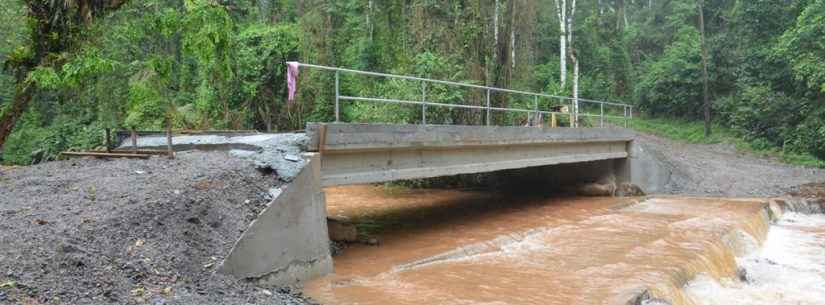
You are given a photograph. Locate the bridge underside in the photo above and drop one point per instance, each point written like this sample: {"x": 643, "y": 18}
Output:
{"x": 366, "y": 153}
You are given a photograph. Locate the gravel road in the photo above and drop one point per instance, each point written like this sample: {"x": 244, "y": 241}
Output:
{"x": 721, "y": 170}
{"x": 91, "y": 231}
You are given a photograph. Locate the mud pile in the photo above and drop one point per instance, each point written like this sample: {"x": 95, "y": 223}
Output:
{"x": 130, "y": 231}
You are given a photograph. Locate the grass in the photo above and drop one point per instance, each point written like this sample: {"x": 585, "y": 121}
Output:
{"x": 694, "y": 132}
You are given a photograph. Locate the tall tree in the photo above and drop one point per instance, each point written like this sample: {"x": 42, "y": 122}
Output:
{"x": 57, "y": 27}
{"x": 621, "y": 15}
{"x": 700, "y": 5}
{"x": 566, "y": 14}
{"x": 561, "y": 14}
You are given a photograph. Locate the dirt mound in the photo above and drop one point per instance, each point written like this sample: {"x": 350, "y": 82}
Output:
{"x": 129, "y": 231}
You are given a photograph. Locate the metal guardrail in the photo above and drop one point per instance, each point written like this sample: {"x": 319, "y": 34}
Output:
{"x": 574, "y": 103}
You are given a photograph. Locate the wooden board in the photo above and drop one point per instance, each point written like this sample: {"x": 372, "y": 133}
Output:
{"x": 104, "y": 154}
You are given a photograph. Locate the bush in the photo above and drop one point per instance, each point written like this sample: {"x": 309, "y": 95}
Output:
{"x": 63, "y": 134}
{"x": 672, "y": 85}
{"x": 770, "y": 118}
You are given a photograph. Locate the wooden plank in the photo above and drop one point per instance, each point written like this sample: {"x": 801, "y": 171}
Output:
{"x": 153, "y": 152}
{"x": 103, "y": 154}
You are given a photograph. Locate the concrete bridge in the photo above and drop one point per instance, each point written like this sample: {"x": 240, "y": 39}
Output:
{"x": 289, "y": 243}
{"x": 370, "y": 153}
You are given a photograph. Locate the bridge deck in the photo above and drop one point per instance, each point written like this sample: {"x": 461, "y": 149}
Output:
{"x": 369, "y": 153}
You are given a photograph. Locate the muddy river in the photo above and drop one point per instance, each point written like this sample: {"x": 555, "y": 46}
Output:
{"x": 466, "y": 247}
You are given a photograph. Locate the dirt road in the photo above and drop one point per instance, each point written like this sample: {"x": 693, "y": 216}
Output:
{"x": 721, "y": 170}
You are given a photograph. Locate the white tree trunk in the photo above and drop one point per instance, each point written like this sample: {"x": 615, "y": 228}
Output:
{"x": 561, "y": 13}
{"x": 513, "y": 38}
{"x": 575, "y": 89}
{"x": 495, "y": 43}
{"x": 575, "y": 63}
{"x": 495, "y": 22}
{"x": 369, "y": 14}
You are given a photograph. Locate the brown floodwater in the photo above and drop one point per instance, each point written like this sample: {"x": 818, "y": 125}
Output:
{"x": 469, "y": 247}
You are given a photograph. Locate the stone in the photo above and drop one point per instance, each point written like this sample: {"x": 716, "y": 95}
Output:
{"x": 341, "y": 231}
{"x": 628, "y": 190}
{"x": 596, "y": 189}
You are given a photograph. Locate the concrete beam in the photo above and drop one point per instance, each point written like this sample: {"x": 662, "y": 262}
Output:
{"x": 350, "y": 137}
{"x": 363, "y": 153}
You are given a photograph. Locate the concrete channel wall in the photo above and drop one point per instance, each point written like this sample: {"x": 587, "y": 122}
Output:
{"x": 288, "y": 242}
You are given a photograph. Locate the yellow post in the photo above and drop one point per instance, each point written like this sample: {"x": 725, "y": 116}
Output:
{"x": 553, "y": 120}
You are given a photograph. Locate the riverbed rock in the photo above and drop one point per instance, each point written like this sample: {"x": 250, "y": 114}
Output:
{"x": 628, "y": 190}
{"x": 596, "y": 189}
{"x": 341, "y": 231}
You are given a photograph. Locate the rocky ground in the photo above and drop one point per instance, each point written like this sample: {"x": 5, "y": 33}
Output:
{"x": 722, "y": 170}
{"x": 92, "y": 231}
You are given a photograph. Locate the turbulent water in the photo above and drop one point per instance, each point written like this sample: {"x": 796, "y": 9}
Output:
{"x": 453, "y": 247}
{"x": 788, "y": 269}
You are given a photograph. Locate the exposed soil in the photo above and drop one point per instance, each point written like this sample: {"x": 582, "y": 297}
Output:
{"x": 91, "y": 231}
{"x": 722, "y": 170}
{"x": 810, "y": 190}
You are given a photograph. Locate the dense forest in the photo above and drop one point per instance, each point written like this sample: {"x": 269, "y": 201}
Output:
{"x": 75, "y": 67}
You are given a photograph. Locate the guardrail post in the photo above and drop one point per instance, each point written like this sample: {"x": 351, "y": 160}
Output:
{"x": 625, "y": 116}
{"x": 631, "y": 115}
{"x": 488, "y": 107}
{"x": 601, "y": 116}
{"x": 574, "y": 117}
{"x": 337, "y": 95}
{"x": 423, "y": 100}
{"x": 535, "y": 110}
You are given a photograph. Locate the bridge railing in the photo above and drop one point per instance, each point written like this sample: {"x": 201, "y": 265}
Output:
{"x": 606, "y": 110}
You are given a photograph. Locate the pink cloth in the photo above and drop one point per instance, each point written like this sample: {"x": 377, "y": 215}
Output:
{"x": 292, "y": 79}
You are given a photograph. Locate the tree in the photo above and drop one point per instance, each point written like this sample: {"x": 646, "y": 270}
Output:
{"x": 566, "y": 16}
{"x": 561, "y": 13}
{"x": 704, "y": 66}
{"x": 56, "y": 27}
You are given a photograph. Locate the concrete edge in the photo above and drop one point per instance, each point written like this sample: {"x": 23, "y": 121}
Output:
{"x": 346, "y": 136}
{"x": 288, "y": 243}
{"x": 425, "y": 172}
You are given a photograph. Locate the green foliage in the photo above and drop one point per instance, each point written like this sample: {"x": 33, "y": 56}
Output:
{"x": 262, "y": 70}
{"x": 204, "y": 64}
{"x": 427, "y": 64}
{"x": 672, "y": 85}
{"x": 804, "y": 47}
{"x": 45, "y": 77}
{"x": 63, "y": 133}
